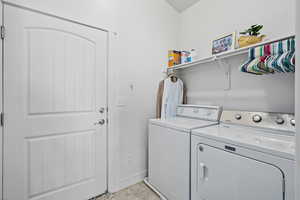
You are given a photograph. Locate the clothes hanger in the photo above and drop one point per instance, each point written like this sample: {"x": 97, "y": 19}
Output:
{"x": 173, "y": 77}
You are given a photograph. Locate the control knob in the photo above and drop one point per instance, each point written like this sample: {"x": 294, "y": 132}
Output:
{"x": 257, "y": 118}
{"x": 280, "y": 121}
{"x": 238, "y": 117}
{"x": 293, "y": 122}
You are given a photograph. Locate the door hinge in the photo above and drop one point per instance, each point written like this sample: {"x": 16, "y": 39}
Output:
{"x": 2, "y": 118}
{"x": 2, "y": 32}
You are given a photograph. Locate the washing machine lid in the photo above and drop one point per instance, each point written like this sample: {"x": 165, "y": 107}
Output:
{"x": 182, "y": 123}
{"x": 262, "y": 140}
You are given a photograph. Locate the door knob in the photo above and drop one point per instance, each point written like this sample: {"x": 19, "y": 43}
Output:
{"x": 102, "y": 110}
{"x": 100, "y": 122}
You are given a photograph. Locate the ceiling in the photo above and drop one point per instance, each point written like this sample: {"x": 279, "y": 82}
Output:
{"x": 181, "y": 5}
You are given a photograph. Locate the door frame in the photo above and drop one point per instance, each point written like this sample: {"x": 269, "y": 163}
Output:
{"x": 112, "y": 139}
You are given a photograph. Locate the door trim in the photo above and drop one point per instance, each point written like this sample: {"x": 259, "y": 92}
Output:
{"x": 53, "y": 15}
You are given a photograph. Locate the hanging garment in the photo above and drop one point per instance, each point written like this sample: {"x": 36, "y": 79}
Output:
{"x": 169, "y": 95}
{"x": 172, "y": 97}
{"x": 159, "y": 98}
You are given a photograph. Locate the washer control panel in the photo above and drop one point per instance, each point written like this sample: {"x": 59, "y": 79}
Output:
{"x": 210, "y": 113}
{"x": 276, "y": 121}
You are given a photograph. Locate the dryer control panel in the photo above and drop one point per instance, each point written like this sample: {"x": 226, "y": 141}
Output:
{"x": 275, "y": 121}
{"x": 210, "y": 113}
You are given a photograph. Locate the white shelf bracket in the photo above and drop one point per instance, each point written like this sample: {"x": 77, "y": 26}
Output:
{"x": 223, "y": 64}
{"x": 215, "y": 58}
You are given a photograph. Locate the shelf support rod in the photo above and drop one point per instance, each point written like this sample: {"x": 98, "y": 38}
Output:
{"x": 223, "y": 64}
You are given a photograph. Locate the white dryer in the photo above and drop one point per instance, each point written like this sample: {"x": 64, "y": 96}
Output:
{"x": 169, "y": 149}
{"x": 248, "y": 156}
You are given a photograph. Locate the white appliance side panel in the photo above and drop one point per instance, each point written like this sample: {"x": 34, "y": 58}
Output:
{"x": 169, "y": 158}
{"x": 217, "y": 174}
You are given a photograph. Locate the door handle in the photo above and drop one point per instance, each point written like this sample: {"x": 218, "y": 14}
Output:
{"x": 102, "y": 110}
{"x": 100, "y": 122}
{"x": 202, "y": 171}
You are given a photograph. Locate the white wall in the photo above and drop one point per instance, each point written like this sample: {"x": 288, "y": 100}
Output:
{"x": 146, "y": 30}
{"x": 209, "y": 19}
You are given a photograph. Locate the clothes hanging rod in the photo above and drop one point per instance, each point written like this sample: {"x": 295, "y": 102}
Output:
{"x": 227, "y": 54}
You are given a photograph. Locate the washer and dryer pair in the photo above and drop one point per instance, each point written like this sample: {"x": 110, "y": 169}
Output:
{"x": 248, "y": 155}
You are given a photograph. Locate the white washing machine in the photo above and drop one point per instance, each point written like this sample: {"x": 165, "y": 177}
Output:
{"x": 248, "y": 156}
{"x": 169, "y": 149}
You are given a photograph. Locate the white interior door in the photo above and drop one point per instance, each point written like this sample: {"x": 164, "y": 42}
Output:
{"x": 54, "y": 89}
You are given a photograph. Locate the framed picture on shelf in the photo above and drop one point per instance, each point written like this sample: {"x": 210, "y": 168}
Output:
{"x": 224, "y": 43}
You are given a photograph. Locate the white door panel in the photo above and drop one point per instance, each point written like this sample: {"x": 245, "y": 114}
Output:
{"x": 55, "y": 84}
{"x": 65, "y": 83}
{"x": 217, "y": 174}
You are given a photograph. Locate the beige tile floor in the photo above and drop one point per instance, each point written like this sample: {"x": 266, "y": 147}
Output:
{"x": 136, "y": 192}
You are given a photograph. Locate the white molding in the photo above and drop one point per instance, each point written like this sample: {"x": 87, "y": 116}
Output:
{"x": 113, "y": 137}
{"x": 5, "y": 2}
{"x": 131, "y": 180}
{"x": 146, "y": 181}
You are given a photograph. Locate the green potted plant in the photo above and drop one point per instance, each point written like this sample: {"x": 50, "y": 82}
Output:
{"x": 251, "y": 36}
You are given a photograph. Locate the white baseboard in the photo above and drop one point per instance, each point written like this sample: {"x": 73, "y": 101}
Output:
{"x": 162, "y": 197}
{"x": 131, "y": 180}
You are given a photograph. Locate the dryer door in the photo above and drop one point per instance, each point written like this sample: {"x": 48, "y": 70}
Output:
{"x": 227, "y": 176}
